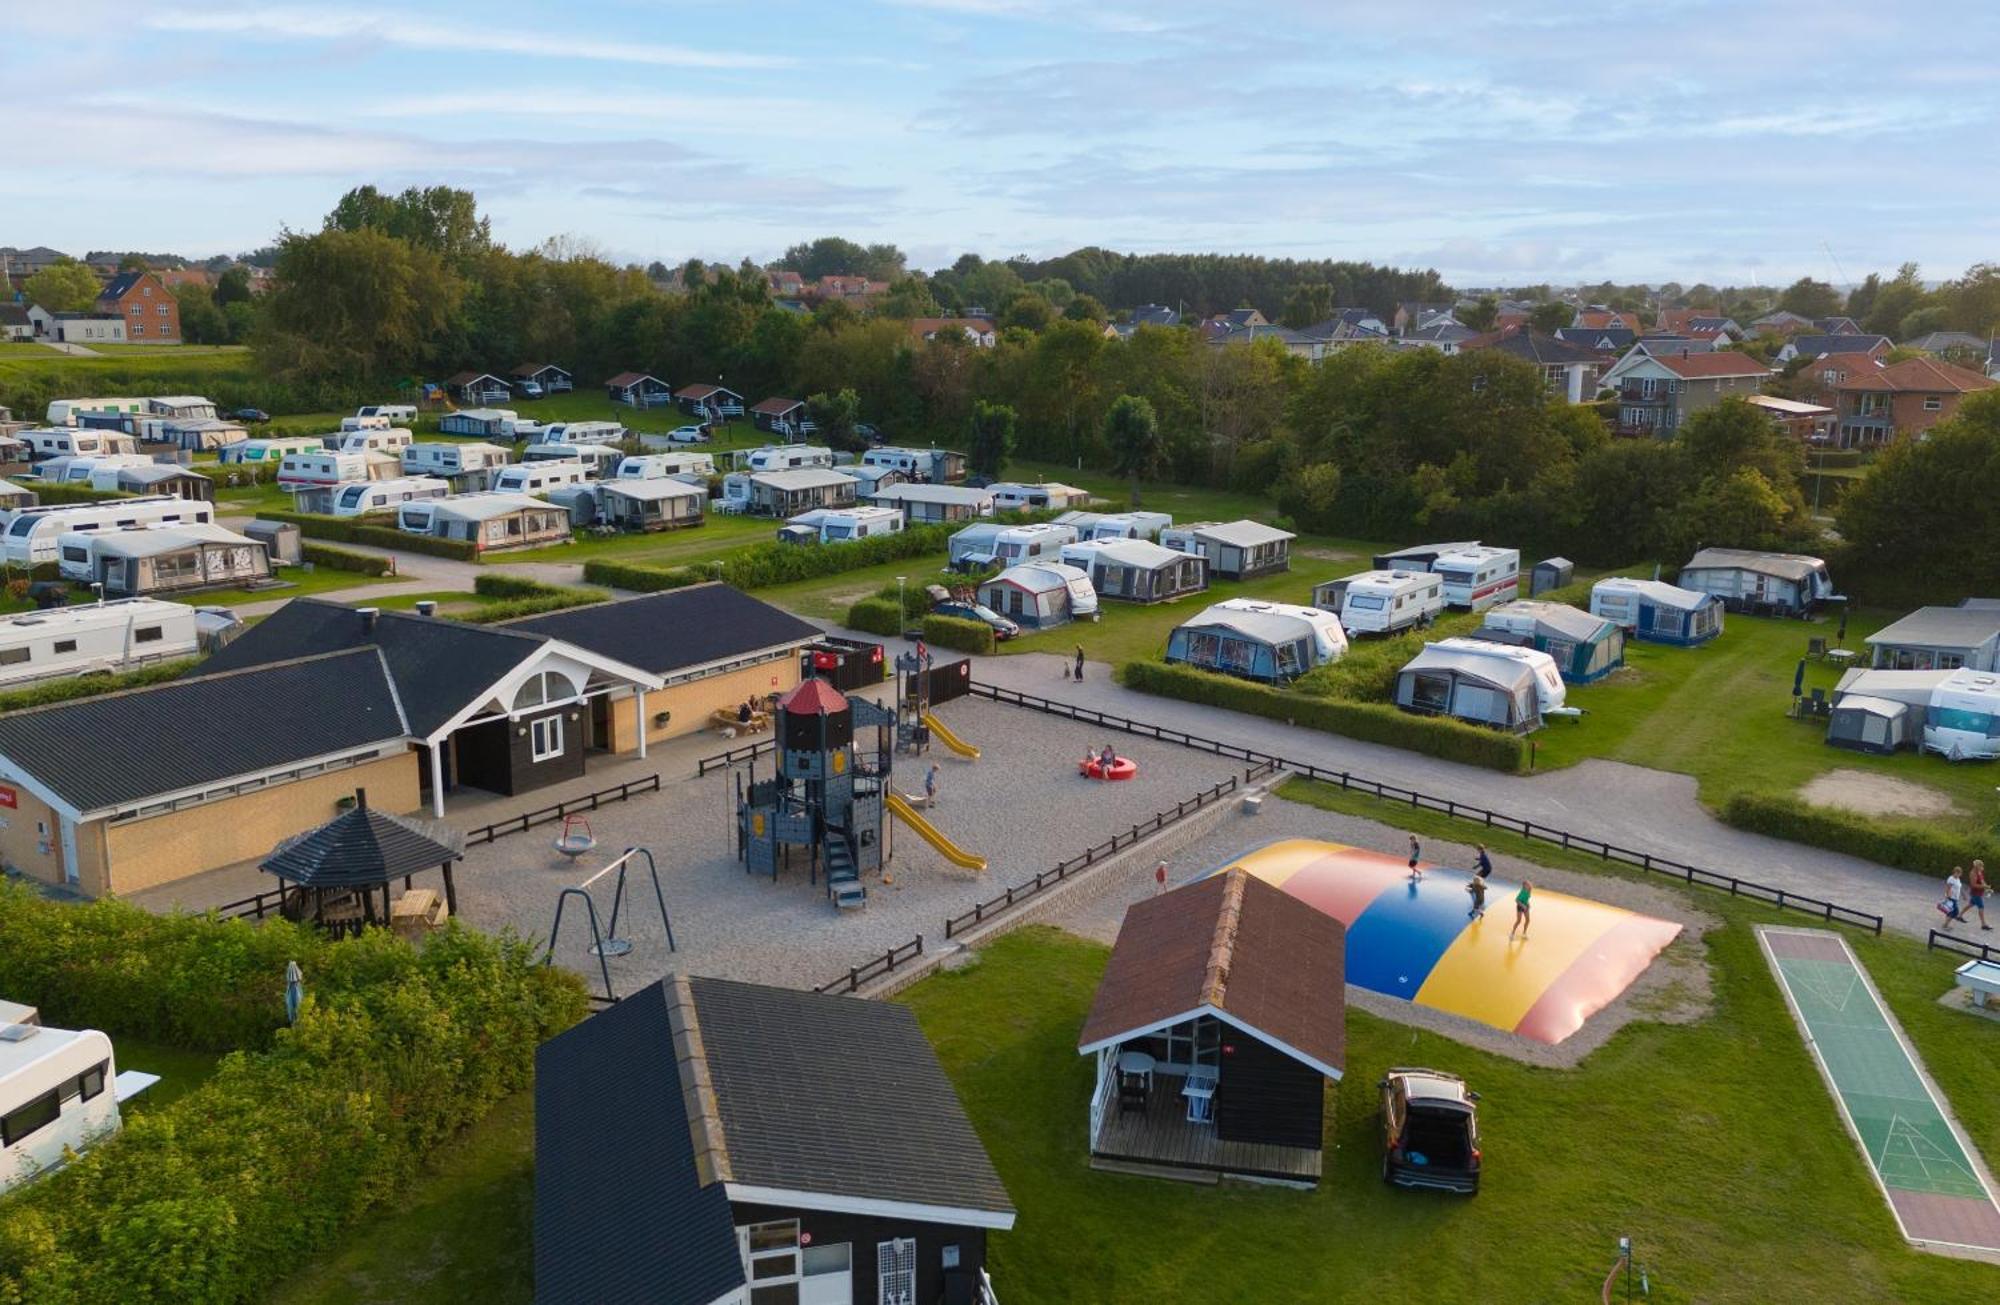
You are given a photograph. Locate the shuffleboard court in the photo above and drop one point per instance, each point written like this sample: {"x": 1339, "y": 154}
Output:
{"x": 1936, "y": 1186}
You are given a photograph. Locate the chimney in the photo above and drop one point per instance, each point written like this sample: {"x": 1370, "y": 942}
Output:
{"x": 368, "y": 615}
{"x": 427, "y": 607}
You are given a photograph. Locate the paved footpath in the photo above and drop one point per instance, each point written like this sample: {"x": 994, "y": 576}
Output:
{"x": 1652, "y": 811}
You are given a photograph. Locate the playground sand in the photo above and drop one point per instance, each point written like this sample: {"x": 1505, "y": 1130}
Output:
{"x": 1873, "y": 794}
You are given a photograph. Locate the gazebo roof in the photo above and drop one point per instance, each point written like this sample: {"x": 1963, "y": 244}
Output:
{"x": 363, "y": 848}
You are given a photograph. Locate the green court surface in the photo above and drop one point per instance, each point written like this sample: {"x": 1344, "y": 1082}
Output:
{"x": 1934, "y": 1183}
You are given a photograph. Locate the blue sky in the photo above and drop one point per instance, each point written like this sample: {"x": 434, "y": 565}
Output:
{"x": 1499, "y": 142}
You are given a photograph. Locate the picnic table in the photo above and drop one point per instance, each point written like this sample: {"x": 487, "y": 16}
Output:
{"x": 417, "y": 912}
{"x": 1981, "y": 979}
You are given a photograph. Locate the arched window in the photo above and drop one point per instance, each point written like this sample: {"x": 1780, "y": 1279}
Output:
{"x": 543, "y": 688}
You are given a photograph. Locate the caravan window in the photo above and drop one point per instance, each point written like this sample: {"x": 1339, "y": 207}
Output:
{"x": 352, "y": 495}
{"x": 13, "y": 656}
{"x": 37, "y": 1114}
{"x": 1969, "y": 722}
{"x": 71, "y": 553}
{"x": 148, "y": 634}
{"x": 65, "y": 645}
{"x": 1430, "y": 692}
{"x": 1364, "y": 602}
{"x": 90, "y": 1083}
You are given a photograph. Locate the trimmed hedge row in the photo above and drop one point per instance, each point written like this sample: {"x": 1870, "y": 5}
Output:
{"x": 958, "y": 633}
{"x": 89, "y": 686}
{"x": 352, "y": 531}
{"x": 524, "y": 597}
{"x": 1372, "y": 722}
{"x": 763, "y": 565}
{"x": 48, "y": 491}
{"x": 1906, "y": 845}
{"x": 339, "y": 559}
{"x": 875, "y": 616}
{"x": 220, "y": 1195}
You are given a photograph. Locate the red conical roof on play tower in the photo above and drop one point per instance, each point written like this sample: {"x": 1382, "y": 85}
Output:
{"x": 813, "y": 698}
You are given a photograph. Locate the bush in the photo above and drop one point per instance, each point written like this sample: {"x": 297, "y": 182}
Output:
{"x": 339, "y": 559}
{"x": 498, "y": 584}
{"x": 221, "y": 1194}
{"x": 773, "y": 563}
{"x": 958, "y": 633}
{"x": 1923, "y": 849}
{"x": 347, "y": 530}
{"x": 876, "y": 616}
{"x": 525, "y": 597}
{"x": 48, "y": 491}
{"x": 1372, "y": 722}
{"x": 89, "y": 686}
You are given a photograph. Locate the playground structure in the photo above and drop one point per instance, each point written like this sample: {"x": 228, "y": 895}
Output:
{"x": 1415, "y": 941}
{"x": 1120, "y": 768}
{"x": 826, "y": 798}
{"x": 605, "y": 942}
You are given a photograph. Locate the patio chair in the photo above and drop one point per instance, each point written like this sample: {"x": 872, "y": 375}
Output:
{"x": 1131, "y": 1093}
{"x": 1820, "y": 705}
{"x": 1816, "y": 647}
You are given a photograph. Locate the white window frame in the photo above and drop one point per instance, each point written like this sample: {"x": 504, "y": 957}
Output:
{"x": 545, "y": 737}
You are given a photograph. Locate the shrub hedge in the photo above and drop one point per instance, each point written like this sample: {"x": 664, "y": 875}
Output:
{"x": 339, "y": 559}
{"x": 350, "y": 531}
{"x": 89, "y": 686}
{"x": 48, "y": 491}
{"x": 521, "y": 596}
{"x": 957, "y": 632}
{"x": 763, "y": 565}
{"x": 220, "y": 1195}
{"x": 1373, "y": 722}
{"x": 1922, "y": 849}
{"x": 876, "y": 616}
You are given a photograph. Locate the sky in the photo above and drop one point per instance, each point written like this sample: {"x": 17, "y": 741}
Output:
{"x": 1500, "y": 142}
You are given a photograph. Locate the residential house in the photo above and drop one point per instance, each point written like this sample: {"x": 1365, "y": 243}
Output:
{"x": 1657, "y": 343}
{"x": 151, "y": 313}
{"x": 1414, "y": 316}
{"x": 478, "y": 388}
{"x": 638, "y": 390}
{"x": 1961, "y": 347}
{"x": 1597, "y": 318}
{"x": 1611, "y": 340}
{"x": 781, "y": 416}
{"x": 14, "y": 323}
{"x": 770, "y": 1145}
{"x": 1806, "y": 345}
{"x": 1446, "y": 336}
{"x": 856, "y": 290}
{"x": 1675, "y": 321}
{"x": 785, "y": 283}
{"x": 551, "y": 378}
{"x": 77, "y": 328}
{"x": 979, "y": 331}
{"x": 1878, "y": 406}
{"x": 27, "y": 262}
{"x": 1155, "y": 315}
{"x": 1236, "y": 319}
{"x": 174, "y": 277}
{"x": 1570, "y": 371}
{"x": 1836, "y": 326}
{"x": 1657, "y": 395}
{"x": 1781, "y": 322}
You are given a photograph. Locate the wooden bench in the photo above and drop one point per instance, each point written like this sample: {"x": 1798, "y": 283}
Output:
{"x": 725, "y": 718}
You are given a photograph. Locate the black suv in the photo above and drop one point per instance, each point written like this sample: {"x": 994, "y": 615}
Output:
{"x": 1430, "y": 1131}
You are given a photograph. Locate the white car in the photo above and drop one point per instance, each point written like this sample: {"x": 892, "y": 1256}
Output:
{"x": 689, "y": 435}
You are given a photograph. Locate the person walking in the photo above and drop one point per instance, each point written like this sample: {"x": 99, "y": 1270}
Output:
{"x": 1954, "y": 889}
{"x": 1159, "y": 878}
{"x": 1523, "y": 900}
{"x": 1477, "y": 887}
{"x": 1482, "y": 863}
{"x": 1079, "y": 663}
{"x": 930, "y": 785}
{"x": 1416, "y": 851}
{"x": 1976, "y": 888}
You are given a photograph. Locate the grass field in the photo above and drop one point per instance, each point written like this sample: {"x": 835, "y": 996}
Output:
{"x": 181, "y": 1071}
{"x": 718, "y": 534}
{"x": 136, "y": 362}
{"x": 319, "y": 580}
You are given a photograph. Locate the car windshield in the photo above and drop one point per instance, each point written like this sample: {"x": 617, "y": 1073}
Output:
{"x": 986, "y": 613}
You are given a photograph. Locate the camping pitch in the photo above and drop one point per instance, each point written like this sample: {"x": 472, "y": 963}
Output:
{"x": 1413, "y": 940}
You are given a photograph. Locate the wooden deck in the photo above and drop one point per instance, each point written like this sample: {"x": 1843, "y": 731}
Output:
{"x": 1162, "y": 1141}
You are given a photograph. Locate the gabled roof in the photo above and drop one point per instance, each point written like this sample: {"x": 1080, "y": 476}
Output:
{"x": 1603, "y": 339}
{"x": 1234, "y": 947}
{"x": 1240, "y": 534}
{"x": 674, "y": 630}
{"x": 693, "y": 393}
{"x": 363, "y": 847}
{"x": 1708, "y": 366}
{"x": 1922, "y": 376}
{"x": 13, "y": 315}
{"x": 776, "y": 407}
{"x": 1940, "y": 341}
{"x": 625, "y": 379}
{"x": 536, "y": 369}
{"x": 1543, "y": 350}
{"x": 121, "y": 285}
{"x": 462, "y": 379}
{"x": 1847, "y": 342}
{"x": 1837, "y": 325}
{"x": 122, "y": 748}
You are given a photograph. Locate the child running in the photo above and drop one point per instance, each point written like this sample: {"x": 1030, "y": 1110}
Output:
{"x": 1976, "y": 886}
{"x": 1477, "y": 887}
{"x": 1416, "y": 850}
{"x": 1522, "y": 901}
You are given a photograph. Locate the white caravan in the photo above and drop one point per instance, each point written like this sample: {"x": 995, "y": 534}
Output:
{"x": 539, "y": 477}
{"x": 838, "y": 525}
{"x": 693, "y": 468}
{"x": 386, "y": 495}
{"x": 580, "y": 432}
{"x": 1382, "y": 602}
{"x": 95, "y": 639}
{"x": 33, "y": 532}
{"x": 788, "y": 457}
{"x": 59, "y": 1093}
{"x": 602, "y": 459}
{"x": 254, "y": 452}
{"x": 396, "y": 414}
{"x": 449, "y": 459}
{"x": 383, "y": 439}
{"x": 1963, "y": 721}
{"x": 1478, "y": 577}
{"x": 371, "y": 421}
{"x": 72, "y": 442}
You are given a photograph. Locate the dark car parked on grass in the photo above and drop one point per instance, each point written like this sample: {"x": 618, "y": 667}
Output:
{"x": 250, "y": 416}
{"x": 1001, "y": 626}
{"x": 1430, "y": 1131}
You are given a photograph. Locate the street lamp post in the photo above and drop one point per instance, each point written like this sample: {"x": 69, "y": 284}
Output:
{"x": 902, "y": 611}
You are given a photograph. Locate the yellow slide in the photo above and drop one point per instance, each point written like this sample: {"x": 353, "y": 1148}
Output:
{"x": 950, "y": 740}
{"x": 925, "y": 830}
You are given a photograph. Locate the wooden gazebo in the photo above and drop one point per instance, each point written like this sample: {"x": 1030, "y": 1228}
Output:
{"x": 332, "y": 873}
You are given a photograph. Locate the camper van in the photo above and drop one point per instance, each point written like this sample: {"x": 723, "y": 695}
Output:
{"x": 80, "y": 470}
{"x": 74, "y": 442}
{"x": 602, "y": 459}
{"x": 67, "y": 412}
{"x": 95, "y": 639}
{"x": 371, "y": 422}
{"x": 837, "y": 525}
{"x": 59, "y": 1093}
{"x": 386, "y": 495}
{"x": 452, "y": 460}
{"x": 540, "y": 477}
{"x": 33, "y": 532}
{"x": 1963, "y": 721}
{"x": 788, "y": 457}
{"x": 257, "y": 452}
{"x": 580, "y": 432}
{"x": 693, "y": 468}
{"x": 375, "y": 439}
{"x": 1382, "y": 602}
{"x": 1478, "y": 577}
{"x": 299, "y": 471}
{"x": 396, "y": 414}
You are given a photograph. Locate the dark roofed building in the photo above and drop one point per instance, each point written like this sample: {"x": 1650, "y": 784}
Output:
{"x": 813, "y": 1140}
{"x": 1569, "y": 370}
{"x": 1848, "y": 342}
{"x": 1602, "y": 340}
{"x": 712, "y": 625}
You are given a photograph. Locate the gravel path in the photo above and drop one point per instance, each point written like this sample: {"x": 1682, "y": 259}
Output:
{"x": 1021, "y": 805}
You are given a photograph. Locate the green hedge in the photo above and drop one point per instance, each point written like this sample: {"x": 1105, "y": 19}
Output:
{"x": 498, "y": 584}
{"x": 339, "y": 559}
{"x": 875, "y": 616}
{"x": 48, "y": 491}
{"x": 1372, "y": 722}
{"x": 957, "y": 632}
{"x": 221, "y": 1195}
{"x": 1904, "y": 844}
{"x": 521, "y": 597}
{"x": 763, "y": 565}
{"x": 348, "y": 530}
{"x": 89, "y": 686}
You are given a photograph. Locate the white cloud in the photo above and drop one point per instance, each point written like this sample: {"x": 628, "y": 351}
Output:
{"x": 287, "y": 23}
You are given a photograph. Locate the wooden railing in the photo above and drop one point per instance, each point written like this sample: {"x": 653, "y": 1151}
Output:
{"x": 527, "y": 820}
{"x": 735, "y": 756}
{"x": 881, "y": 965}
{"x": 1782, "y": 898}
{"x": 1951, "y": 942}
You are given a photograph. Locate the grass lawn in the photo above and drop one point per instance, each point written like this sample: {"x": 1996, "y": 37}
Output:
{"x": 1187, "y": 502}
{"x": 136, "y": 362}
{"x": 718, "y": 534}
{"x": 319, "y": 580}
{"x": 247, "y": 500}
{"x": 181, "y": 1071}
{"x": 463, "y": 1234}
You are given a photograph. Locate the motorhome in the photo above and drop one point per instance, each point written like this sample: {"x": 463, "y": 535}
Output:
{"x": 374, "y": 439}
{"x": 469, "y": 466}
{"x": 693, "y": 468}
{"x": 1382, "y": 602}
{"x": 369, "y": 422}
{"x": 301, "y": 471}
{"x": 489, "y": 521}
{"x": 581, "y": 432}
{"x": 46, "y": 442}
{"x": 602, "y": 459}
{"x": 925, "y": 466}
{"x": 255, "y": 452}
{"x": 838, "y": 525}
{"x": 1117, "y": 525}
{"x": 1476, "y": 578}
{"x": 95, "y": 639}
{"x": 787, "y": 457}
{"x": 386, "y": 495}
{"x": 1963, "y": 720}
{"x": 540, "y": 477}
{"x": 33, "y": 532}
{"x": 163, "y": 559}
{"x": 396, "y": 414}
{"x": 59, "y": 1093}
{"x": 66, "y": 412}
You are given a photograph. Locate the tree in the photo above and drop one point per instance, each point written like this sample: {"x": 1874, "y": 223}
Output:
{"x": 1085, "y": 308}
{"x": 1133, "y": 434}
{"x": 837, "y": 256}
{"x": 989, "y": 438}
{"x": 836, "y": 416}
{"x": 232, "y": 286}
{"x": 1027, "y": 310}
{"x": 202, "y": 322}
{"x": 356, "y": 306}
{"x": 1306, "y": 305}
{"x": 1891, "y": 517}
{"x": 658, "y": 271}
{"x": 1973, "y": 300}
{"x": 64, "y": 286}
{"x": 440, "y": 219}
{"x": 1892, "y": 301}
{"x": 907, "y": 298}
{"x": 1551, "y": 317}
{"x": 1310, "y": 496}
{"x": 134, "y": 263}
{"x": 1810, "y": 298}
{"x": 1482, "y": 314}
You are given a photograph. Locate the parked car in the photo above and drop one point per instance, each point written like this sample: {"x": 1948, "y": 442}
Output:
{"x": 1430, "y": 1131}
{"x": 250, "y": 416}
{"x": 1002, "y": 627}
{"x": 530, "y": 389}
{"x": 870, "y": 433}
{"x": 689, "y": 434}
